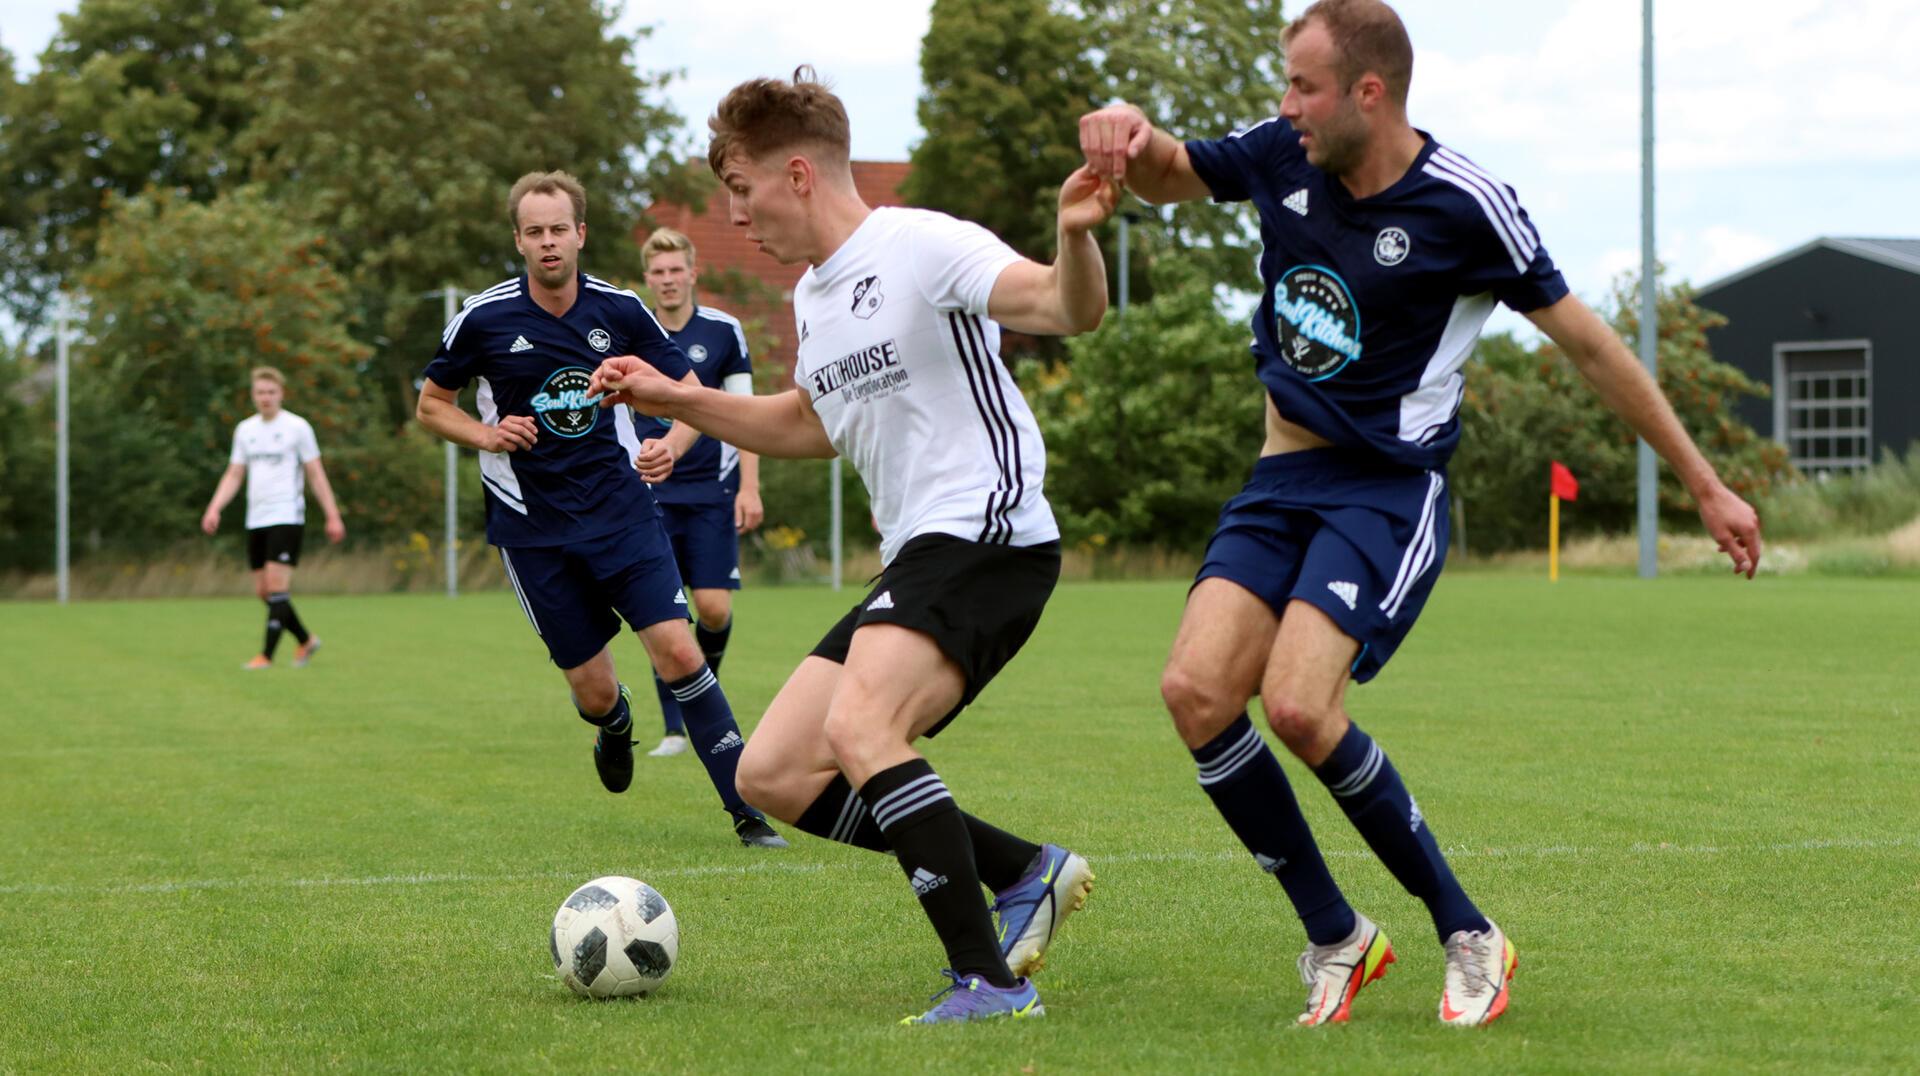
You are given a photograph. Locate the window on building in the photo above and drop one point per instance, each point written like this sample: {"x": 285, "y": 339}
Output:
{"x": 1824, "y": 407}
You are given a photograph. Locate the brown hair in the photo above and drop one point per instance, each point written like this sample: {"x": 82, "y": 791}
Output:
{"x": 1367, "y": 36}
{"x": 762, "y": 115}
{"x": 665, "y": 241}
{"x": 267, "y": 373}
{"x": 547, "y": 183}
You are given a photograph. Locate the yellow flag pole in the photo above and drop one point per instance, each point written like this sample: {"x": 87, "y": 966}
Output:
{"x": 1553, "y": 538}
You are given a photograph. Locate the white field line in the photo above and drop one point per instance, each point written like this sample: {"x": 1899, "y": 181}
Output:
{"x": 774, "y": 866}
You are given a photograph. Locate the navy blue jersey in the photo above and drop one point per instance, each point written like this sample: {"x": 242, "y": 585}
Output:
{"x": 716, "y": 346}
{"x": 577, "y": 481}
{"x": 1370, "y": 306}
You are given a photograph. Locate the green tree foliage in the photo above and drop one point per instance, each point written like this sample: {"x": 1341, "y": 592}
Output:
{"x": 1005, "y": 83}
{"x": 397, "y": 128}
{"x": 186, "y": 298}
{"x": 129, "y": 94}
{"x": 1155, "y": 420}
{"x": 1525, "y": 407}
{"x": 1200, "y": 69}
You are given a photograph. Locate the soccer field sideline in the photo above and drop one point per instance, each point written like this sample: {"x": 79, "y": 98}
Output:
{"x": 1097, "y": 857}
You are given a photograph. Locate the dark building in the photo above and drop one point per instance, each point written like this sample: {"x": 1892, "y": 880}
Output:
{"x": 1834, "y": 327}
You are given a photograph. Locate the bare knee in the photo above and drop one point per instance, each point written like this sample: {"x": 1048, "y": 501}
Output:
{"x": 260, "y": 589}
{"x": 757, "y": 779}
{"x": 1201, "y": 708}
{"x": 677, "y": 657}
{"x": 1300, "y": 723}
{"x": 713, "y": 607}
{"x": 595, "y": 697}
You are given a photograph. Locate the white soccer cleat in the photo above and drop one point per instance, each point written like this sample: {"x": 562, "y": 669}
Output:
{"x": 1479, "y": 967}
{"x": 1334, "y": 974}
{"x": 1031, "y": 910}
{"x": 671, "y": 744}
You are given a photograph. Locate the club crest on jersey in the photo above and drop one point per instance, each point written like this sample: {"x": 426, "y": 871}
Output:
{"x": 1316, "y": 321}
{"x": 867, "y": 298}
{"x": 563, "y": 405}
{"x": 1390, "y": 247}
{"x": 598, "y": 340}
{"x": 698, "y": 353}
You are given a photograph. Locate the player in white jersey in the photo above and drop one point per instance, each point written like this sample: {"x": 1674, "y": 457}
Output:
{"x": 899, "y": 372}
{"x": 1382, "y": 253}
{"x": 275, "y": 454}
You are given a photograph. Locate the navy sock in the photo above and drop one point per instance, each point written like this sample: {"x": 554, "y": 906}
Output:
{"x": 929, "y": 837}
{"x": 1250, "y": 790}
{"x": 1378, "y": 804}
{"x": 616, "y": 721}
{"x": 840, "y": 815}
{"x": 713, "y": 644}
{"x": 711, "y": 728}
{"x": 670, "y": 716}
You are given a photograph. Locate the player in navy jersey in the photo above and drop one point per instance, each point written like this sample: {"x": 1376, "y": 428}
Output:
{"x": 897, "y": 369}
{"x": 713, "y": 495}
{"x": 578, "y": 531}
{"x": 1384, "y": 252}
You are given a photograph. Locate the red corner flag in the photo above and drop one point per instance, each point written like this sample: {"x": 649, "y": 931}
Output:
{"x": 1564, "y": 485}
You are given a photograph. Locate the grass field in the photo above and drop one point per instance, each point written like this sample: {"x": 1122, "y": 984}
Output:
{"x": 1691, "y": 803}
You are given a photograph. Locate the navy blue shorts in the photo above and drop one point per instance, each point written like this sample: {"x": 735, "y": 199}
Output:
{"x": 577, "y": 594}
{"x": 1360, "y": 541}
{"x": 705, "y": 545}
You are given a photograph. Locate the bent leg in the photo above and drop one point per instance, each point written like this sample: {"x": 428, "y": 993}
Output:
{"x": 703, "y": 706}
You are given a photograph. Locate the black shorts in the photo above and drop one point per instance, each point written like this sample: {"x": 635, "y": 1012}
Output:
{"x": 979, "y": 602}
{"x": 279, "y": 544}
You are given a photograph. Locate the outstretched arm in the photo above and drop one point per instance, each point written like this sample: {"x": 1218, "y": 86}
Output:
{"x": 1120, "y": 143}
{"x": 1624, "y": 386}
{"x": 1069, "y": 296}
{"x": 783, "y": 425}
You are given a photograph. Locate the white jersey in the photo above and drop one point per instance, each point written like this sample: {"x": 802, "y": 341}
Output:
{"x": 904, "y": 370}
{"x": 275, "y": 454}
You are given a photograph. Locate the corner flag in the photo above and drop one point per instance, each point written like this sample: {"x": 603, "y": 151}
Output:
{"x": 1561, "y": 486}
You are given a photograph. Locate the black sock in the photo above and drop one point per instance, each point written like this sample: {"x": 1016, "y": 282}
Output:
{"x": 289, "y": 619}
{"x": 615, "y": 721}
{"x": 840, "y": 815}
{"x": 713, "y": 644}
{"x": 274, "y": 626}
{"x": 928, "y": 835}
{"x": 1377, "y": 802}
{"x": 1251, "y": 792}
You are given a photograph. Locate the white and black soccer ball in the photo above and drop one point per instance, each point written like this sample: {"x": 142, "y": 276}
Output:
{"x": 614, "y": 937}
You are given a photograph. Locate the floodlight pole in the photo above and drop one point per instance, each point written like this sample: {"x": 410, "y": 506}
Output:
{"x": 833, "y": 502}
{"x": 62, "y": 486}
{"x": 1649, "y": 494}
{"x": 449, "y": 302}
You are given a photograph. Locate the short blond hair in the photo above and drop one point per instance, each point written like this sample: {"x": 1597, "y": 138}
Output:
{"x": 665, "y": 241}
{"x": 547, "y": 183}
{"x": 268, "y": 373}
{"x": 763, "y": 115}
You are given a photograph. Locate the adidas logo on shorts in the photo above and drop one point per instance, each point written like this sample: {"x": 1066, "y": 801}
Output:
{"x": 727, "y": 743}
{"x": 1346, "y": 592}
{"x": 884, "y": 601}
{"x": 925, "y": 881}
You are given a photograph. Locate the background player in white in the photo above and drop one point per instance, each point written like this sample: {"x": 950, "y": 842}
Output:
{"x": 899, "y": 372}
{"x": 1383, "y": 252}
{"x": 713, "y": 495}
{"x": 276, "y": 455}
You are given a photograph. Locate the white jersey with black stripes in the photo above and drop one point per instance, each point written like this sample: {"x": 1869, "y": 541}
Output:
{"x": 903, "y": 368}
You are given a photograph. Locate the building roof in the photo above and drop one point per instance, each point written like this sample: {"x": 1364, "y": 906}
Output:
{"x": 1894, "y": 253}
{"x": 718, "y": 244}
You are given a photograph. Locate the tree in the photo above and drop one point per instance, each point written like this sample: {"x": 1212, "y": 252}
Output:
{"x": 1525, "y": 406}
{"x": 397, "y": 128}
{"x": 185, "y": 299}
{"x": 1005, "y": 83}
{"x": 130, "y": 94}
{"x": 1153, "y": 422}
{"x": 1199, "y": 69}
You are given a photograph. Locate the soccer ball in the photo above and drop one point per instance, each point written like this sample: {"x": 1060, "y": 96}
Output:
{"x": 614, "y": 937}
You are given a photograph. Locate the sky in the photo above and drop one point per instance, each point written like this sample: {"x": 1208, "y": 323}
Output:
{"x": 1777, "y": 121}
